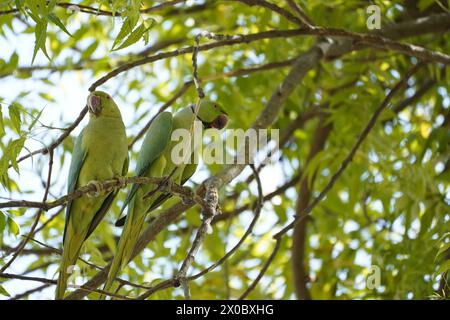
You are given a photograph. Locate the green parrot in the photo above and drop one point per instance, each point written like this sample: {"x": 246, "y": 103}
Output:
{"x": 155, "y": 160}
{"x": 100, "y": 154}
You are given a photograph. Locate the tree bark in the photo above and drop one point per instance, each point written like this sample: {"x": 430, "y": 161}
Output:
{"x": 299, "y": 259}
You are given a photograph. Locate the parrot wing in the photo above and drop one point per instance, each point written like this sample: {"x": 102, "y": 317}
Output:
{"x": 78, "y": 157}
{"x": 107, "y": 203}
{"x": 189, "y": 170}
{"x": 155, "y": 142}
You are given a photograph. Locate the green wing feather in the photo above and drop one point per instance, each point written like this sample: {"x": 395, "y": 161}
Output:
{"x": 189, "y": 170}
{"x": 154, "y": 144}
{"x": 107, "y": 203}
{"x": 78, "y": 157}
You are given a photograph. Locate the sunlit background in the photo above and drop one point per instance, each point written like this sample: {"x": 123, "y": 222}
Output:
{"x": 346, "y": 237}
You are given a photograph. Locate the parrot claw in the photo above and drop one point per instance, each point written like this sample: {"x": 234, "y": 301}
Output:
{"x": 98, "y": 189}
{"x": 121, "y": 182}
{"x": 165, "y": 184}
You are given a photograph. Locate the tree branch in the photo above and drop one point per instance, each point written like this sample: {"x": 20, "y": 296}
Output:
{"x": 298, "y": 249}
{"x": 185, "y": 193}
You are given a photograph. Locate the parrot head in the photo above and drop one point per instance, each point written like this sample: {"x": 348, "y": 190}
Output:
{"x": 100, "y": 103}
{"x": 212, "y": 115}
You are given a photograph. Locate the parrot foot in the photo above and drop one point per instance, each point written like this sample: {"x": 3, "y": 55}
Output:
{"x": 121, "y": 182}
{"x": 98, "y": 189}
{"x": 164, "y": 185}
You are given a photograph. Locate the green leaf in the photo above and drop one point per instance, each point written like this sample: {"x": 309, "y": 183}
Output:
{"x": 443, "y": 249}
{"x": 19, "y": 4}
{"x": 425, "y": 221}
{"x": 3, "y": 292}
{"x": 40, "y": 35}
{"x": 46, "y": 96}
{"x": 2, "y": 124}
{"x": 126, "y": 28}
{"x": 13, "y": 150}
{"x": 148, "y": 23}
{"x": 89, "y": 50}
{"x": 8, "y": 223}
{"x": 13, "y": 61}
{"x": 133, "y": 37}
{"x": 14, "y": 115}
{"x": 33, "y": 6}
{"x": 35, "y": 119}
{"x": 3, "y": 219}
{"x": 13, "y": 227}
{"x": 53, "y": 18}
{"x": 444, "y": 266}
{"x": 423, "y": 4}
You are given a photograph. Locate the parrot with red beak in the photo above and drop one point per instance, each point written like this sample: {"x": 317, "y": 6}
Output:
{"x": 156, "y": 160}
{"x": 100, "y": 154}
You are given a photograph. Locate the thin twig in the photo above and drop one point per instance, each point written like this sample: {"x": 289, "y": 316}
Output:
{"x": 31, "y": 291}
{"x": 273, "y": 7}
{"x": 58, "y": 141}
{"x": 24, "y": 242}
{"x": 263, "y": 270}
{"x": 301, "y": 14}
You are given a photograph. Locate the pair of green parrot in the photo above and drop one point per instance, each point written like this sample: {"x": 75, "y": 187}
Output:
{"x": 100, "y": 154}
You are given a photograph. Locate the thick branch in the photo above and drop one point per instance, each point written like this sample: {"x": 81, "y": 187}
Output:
{"x": 299, "y": 265}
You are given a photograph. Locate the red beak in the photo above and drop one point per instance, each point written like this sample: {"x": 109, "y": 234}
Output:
{"x": 220, "y": 122}
{"x": 94, "y": 104}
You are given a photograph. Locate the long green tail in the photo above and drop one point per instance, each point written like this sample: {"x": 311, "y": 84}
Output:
{"x": 130, "y": 235}
{"x": 71, "y": 251}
